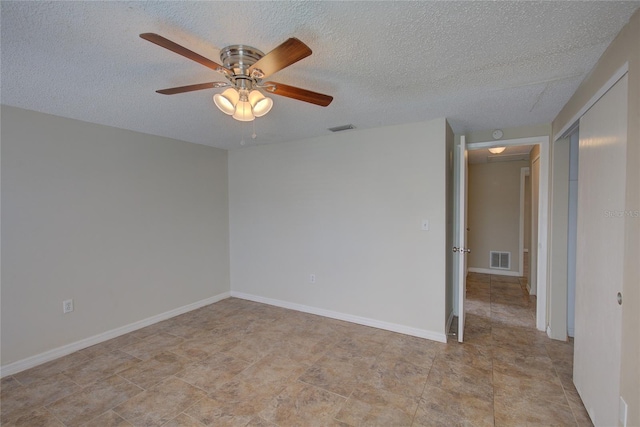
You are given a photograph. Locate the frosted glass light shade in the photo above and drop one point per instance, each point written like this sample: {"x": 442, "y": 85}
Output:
{"x": 243, "y": 112}
{"x": 497, "y": 150}
{"x": 261, "y": 105}
{"x": 227, "y": 100}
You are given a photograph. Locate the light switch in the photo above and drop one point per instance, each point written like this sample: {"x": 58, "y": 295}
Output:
{"x": 425, "y": 225}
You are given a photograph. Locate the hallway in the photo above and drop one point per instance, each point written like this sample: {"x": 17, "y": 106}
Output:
{"x": 532, "y": 374}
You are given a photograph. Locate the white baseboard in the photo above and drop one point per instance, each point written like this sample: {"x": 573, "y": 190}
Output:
{"x": 407, "y": 330}
{"x": 38, "y": 359}
{"x": 494, "y": 272}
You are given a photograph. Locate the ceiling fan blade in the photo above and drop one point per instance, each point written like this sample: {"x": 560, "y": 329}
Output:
{"x": 299, "y": 94}
{"x": 180, "y": 50}
{"x": 289, "y": 52}
{"x": 189, "y": 88}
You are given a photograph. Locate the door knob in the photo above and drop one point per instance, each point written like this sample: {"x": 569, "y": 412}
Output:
{"x": 619, "y": 298}
{"x": 461, "y": 250}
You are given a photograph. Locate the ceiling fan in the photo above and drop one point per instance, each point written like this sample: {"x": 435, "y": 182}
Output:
{"x": 245, "y": 67}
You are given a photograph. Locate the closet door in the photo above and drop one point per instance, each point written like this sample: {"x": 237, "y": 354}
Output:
{"x": 600, "y": 252}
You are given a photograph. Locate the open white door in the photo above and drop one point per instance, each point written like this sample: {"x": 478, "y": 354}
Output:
{"x": 460, "y": 229}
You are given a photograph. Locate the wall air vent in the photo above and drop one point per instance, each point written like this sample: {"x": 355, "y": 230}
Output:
{"x": 500, "y": 260}
{"x": 341, "y": 128}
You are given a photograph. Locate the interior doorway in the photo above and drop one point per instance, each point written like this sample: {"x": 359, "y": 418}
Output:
{"x": 542, "y": 218}
{"x": 499, "y": 219}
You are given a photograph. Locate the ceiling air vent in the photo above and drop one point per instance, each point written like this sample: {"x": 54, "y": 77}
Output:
{"x": 341, "y": 128}
{"x": 500, "y": 260}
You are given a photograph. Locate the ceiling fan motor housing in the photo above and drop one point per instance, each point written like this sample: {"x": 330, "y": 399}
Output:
{"x": 238, "y": 59}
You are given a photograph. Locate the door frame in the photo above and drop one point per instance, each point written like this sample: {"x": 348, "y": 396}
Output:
{"x": 524, "y": 172}
{"x": 543, "y": 216}
{"x": 460, "y": 232}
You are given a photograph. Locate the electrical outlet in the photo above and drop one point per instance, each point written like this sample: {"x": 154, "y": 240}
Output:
{"x": 67, "y": 306}
{"x": 312, "y": 278}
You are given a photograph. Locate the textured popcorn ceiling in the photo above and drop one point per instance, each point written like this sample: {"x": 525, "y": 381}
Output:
{"x": 483, "y": 65}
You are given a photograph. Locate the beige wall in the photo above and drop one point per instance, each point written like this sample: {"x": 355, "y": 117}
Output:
{"x": 494, "y": 212}
{"x": 624, "y": 49}
{"x": 347, "y": 208}
{"x": 129, "y": 225}
{"x": 534, "y": 153}
{"x": 534, "y": 180}
{"x": 527, "y": 213}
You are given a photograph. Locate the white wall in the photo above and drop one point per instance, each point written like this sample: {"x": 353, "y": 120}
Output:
{"x": 129, "y": 225}
{"x": 572, "y": 232}
{"x": 558, "y": 247}
{"x": 510, "y": 133}
{"x": 346, "y": 207}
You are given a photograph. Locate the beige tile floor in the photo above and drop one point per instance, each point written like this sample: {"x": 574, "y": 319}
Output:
{"x": 239, "y": 363}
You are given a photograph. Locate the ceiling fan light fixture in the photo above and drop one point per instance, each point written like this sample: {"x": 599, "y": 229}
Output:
{"x": 497, "y": 150}
{"x": 260, "y": 104}
{"x": 244, "y": 67}
{"x": 227, "y": 100}
{"x": 243, "y": 112}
